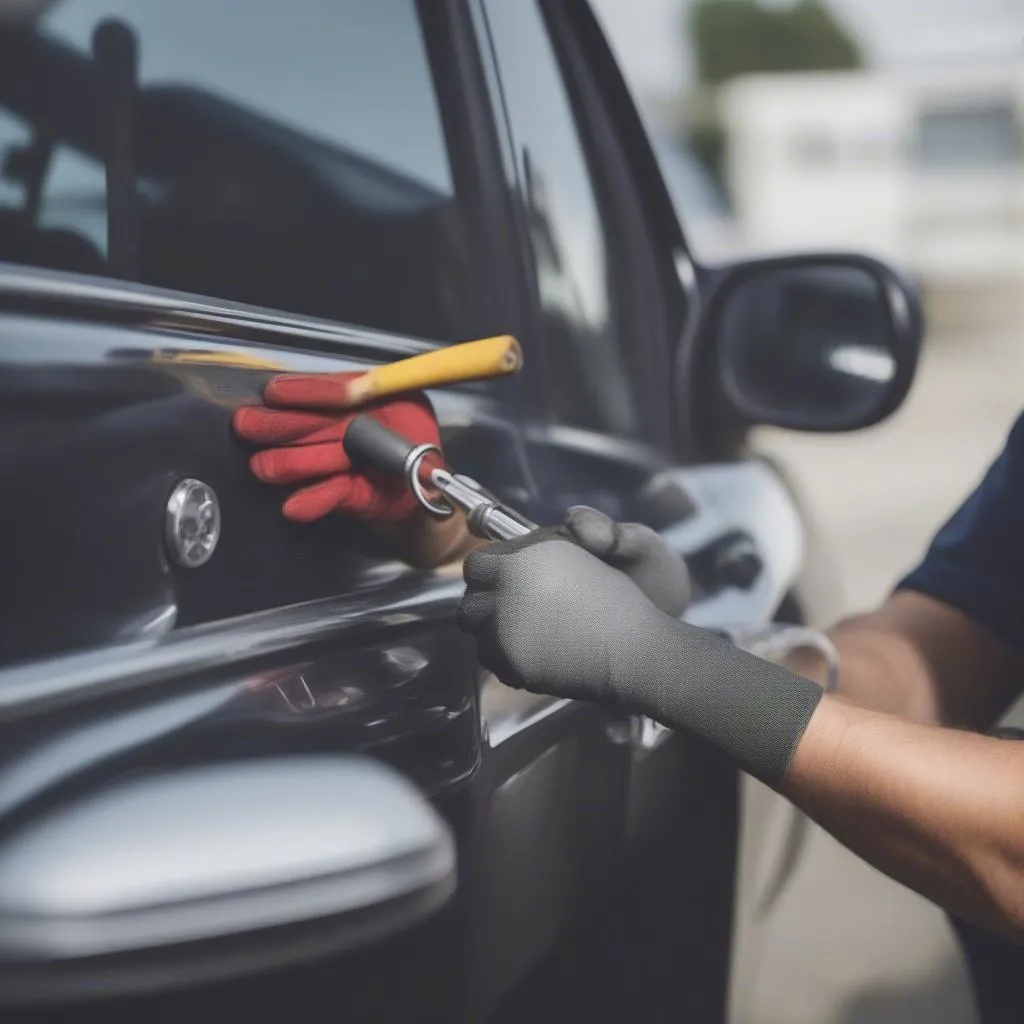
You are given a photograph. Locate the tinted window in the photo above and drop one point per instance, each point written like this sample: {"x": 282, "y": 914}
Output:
{"x": 985, "y": 135}
{"x": 289, "y": 155}
{"x": 582, "y": 297}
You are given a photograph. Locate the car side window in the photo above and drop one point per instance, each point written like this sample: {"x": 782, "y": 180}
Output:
{"x": 583, "y": 295}
{"x": 288, "y": 155}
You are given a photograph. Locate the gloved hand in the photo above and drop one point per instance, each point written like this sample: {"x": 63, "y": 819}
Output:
{"x": 551, "y": 618}
{"x": 636, "y": 550}
{"x": 303, "y": 447}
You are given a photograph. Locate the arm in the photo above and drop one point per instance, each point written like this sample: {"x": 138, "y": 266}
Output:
{"x": 939, "y": 810}
{"x": 943, "y": 649}
{"x": 923, "y": 660}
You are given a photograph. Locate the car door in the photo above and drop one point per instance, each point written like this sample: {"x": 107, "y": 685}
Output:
{"x": 620, "y": 422}
{"x": 603, "y": 339}
{"x": 228, "y": 191}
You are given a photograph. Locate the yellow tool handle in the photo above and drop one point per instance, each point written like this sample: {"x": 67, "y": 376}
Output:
{"x": 473, "y": 360}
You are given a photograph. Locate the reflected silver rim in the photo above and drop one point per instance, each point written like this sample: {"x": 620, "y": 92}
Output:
{"x": 413, "y": 462}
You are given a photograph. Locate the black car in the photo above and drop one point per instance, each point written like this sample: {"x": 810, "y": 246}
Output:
{"x": 249, "y": 767}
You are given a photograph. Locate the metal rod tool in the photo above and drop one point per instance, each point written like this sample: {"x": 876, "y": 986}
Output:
{"x": 369, "y": 443}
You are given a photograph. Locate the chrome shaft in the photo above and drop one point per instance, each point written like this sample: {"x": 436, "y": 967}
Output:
{"x": 485, "y": 515}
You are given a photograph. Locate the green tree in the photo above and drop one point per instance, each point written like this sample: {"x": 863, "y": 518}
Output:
{"x": 737, "y": 37}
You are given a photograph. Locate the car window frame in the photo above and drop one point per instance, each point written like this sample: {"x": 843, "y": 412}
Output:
{"x": 474, "y": 136}
{"x": 617, "y": 206}
{"x": 605, "y": 148}
{"x": 471, "y": 137}
{"x": 522, "y": 279}
{"x": 682, "y": 276}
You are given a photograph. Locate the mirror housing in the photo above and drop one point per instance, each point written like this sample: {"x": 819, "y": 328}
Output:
{"x": 215, "y": 872}
{"x": 817, "y": 343}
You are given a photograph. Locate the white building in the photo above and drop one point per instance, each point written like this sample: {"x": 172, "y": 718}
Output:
{"x": 924, "y": 167}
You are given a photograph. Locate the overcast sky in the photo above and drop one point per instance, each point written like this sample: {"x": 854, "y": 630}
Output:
{"x": 648, "y": 34}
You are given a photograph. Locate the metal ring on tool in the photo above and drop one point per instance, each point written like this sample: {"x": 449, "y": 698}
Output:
{"x": 413, "y": 461}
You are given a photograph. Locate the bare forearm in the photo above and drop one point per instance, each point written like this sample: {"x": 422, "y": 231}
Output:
{"x": 878, "y": 669}
{"x": 939, "y": 810}
{"x": 922, "y": 660}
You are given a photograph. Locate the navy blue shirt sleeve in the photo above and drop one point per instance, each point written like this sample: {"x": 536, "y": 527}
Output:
{"x": 976, "y": 561}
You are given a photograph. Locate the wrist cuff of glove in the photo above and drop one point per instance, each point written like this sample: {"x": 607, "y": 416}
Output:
{"x": 752, "y": 709}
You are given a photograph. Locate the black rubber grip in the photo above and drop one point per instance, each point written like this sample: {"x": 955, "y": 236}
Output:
{"x": 371, "y": 445}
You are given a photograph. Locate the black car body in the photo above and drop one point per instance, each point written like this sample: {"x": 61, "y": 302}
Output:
{"x": 198, "y": 195}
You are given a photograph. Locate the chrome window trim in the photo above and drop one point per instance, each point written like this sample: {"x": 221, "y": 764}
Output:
{"x": 56, "y": 291}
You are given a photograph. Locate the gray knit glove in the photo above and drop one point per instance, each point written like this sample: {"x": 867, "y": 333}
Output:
{"x": 551, "y": 618}
{"x": 637, "y": 551}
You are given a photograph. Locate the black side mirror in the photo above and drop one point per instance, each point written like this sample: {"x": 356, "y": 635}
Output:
{"x": 817, "y": 343}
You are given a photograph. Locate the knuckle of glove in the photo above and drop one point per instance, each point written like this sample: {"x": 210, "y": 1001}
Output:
{"x": 593, "y": 530}
{"x": 264, "y": 466}
{"x": 639, "y": 543}
{"x": 474, "y": 612}
{"x": 480, "y": 568}
{"x": 412, "y": 417}
{"x": 654, "y": 567}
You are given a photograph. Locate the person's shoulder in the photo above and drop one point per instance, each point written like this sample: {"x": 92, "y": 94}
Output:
{"x": 975, "y": 563}
{"x": 1005, "y": 478}
{"x": 1015, "y": 439}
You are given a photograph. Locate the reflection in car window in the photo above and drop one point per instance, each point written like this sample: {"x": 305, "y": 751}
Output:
{"x": 978, "y": 135}
{"x": 74, "y": 197}
{"x": 580, "y": 294}
{"x": 289, "y": 155}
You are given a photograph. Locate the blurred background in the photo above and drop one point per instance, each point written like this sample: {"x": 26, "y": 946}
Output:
{"x": 896, "y": 128}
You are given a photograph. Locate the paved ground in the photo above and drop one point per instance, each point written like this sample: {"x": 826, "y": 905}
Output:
{"x": 845, "y": 945}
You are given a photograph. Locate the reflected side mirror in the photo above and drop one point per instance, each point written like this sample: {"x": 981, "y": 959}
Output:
{"x": 213, "y": 873}
{"x": 816, "y": 343}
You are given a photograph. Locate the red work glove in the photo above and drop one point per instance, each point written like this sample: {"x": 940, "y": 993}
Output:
{"x": 304, "y": 447}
